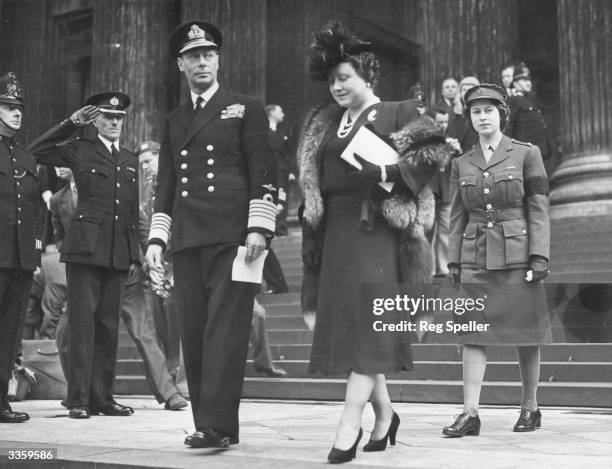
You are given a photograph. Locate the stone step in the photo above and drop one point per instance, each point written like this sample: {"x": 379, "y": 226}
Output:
{"x": 495, "y": 371}
{"x": 493, "y": 392}
{"x": 279, "y": 299}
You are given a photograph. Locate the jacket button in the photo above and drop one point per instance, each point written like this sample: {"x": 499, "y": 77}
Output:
{"x": 490, "y": 224}
{"x": 486, "y": 190}
{"x": 184, "y": 180}
{"x": 210, "y": 175}
{"x": 184, "y": 194}
{"x": 210, "y": 147}
{"x": 118, "y": 168}
{"x": 19, "y": 222}
{"x": 486, "y": 174}
{"x": 210, "y": 162}
{"x": 523, "y": 231}
{"x": 17, "y": 182}
{"x": 116, "y": 217}
{"x": 118, "y": 185}
{"x": 211, "y": 188}
{"x": 184, "y": 166}
{"x": 489, "y": 206}
{"x": 511, "y": 177}
{"x": 183, "y": 152}
{"x": 463, "y": 183}
{"x": 81, "y": 216}
{"x": 93, "y": 170}
{"x": 117, "y": 201}
{"x": 19, "y": 209}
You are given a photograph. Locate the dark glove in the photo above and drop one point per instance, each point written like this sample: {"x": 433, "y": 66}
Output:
{"x": 367, "y": 177}
{"x": 311, "y": 245}
{"x": 454, "y": 275}
{"x": 539, "y": 266}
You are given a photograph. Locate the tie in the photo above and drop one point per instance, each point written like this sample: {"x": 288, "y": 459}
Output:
{"x": 114, "y": 151}
{"x": 488, "y": 153}
{"x": 198, "y": 105}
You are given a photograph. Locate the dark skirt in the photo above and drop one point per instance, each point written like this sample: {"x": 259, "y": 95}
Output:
{"x": 355, "y": 266}
{"x": 515, "y": 312}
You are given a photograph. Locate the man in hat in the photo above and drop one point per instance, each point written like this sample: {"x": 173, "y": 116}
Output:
{"x": 417, "y": 96}
{"x": 216, "y": 189}
{"x": 526, "y": 122}
{"x": 99, "y": 246}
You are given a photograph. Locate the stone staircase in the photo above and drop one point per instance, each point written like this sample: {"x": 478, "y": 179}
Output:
{"x": 575, "y": 370}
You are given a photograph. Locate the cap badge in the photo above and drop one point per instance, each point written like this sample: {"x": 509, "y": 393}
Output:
{"x": 196, "y": 32}
{"x": 114, "y": 101}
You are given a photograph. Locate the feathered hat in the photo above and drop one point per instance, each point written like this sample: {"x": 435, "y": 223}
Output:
{"x": 331, "y": 45}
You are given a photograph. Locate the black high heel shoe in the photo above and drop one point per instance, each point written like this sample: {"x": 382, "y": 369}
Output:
{"x": 337, "y": 456}
{"x": 381, "y": 445}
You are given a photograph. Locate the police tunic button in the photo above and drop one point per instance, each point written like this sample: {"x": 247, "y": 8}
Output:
{"x": 19, "y": 196}
{"x": 118, "y": 168}
{"x": 490, "y": 224}
{"x": 15, "y": 171}
{"x": 117, "y": 201}
{"x": 486, "y": 190}
{"x": 489, "y": 206}
{"x": 93, "y": 170}
{"x": 211, "y": 188}
{"x": 463, "y": 183}
{"x": 184, "y": 166}
{"x": 118, "y": 185}
{"x": 523, "y": 231}
{"x": 81, "y": 216}
{"x": 511, "y": 177}
{"x": 210, "y": 175}
{"x": 116, "y": 217}
{"x": 184, "y": 194}
{"x": 183, "y": 152}
{"x": 19, "y": 209}
{"x": 210, "y": 162}
{"x": 210, "y": 147}
{"x": 19, "y": 222}
{"x": 485, "y": 174}
{"x": 17, "y": 183}
{"x": 184, "y": 180}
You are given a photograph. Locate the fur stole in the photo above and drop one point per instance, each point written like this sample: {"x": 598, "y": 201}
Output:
{"x": 420, "y": 143}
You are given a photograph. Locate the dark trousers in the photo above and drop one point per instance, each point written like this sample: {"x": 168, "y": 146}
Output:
{"x": 273, "y": 274}
{"x": 94, "y": 300}
{"x": 15, "y": 287}
{"x": 262, "y": 355}
{"x": 216, "y": 322}
{"x": 135, "y": 315}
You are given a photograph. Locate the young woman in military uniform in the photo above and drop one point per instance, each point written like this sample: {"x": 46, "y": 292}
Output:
{"x": 499, "y": 249}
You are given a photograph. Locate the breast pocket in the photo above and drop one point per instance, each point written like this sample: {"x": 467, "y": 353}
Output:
{"x": 469, "y": 193}
{"x": 94, "y": 182}
{"x": 509, "y": 187}
{"x": 468, "y": 245}
{"x": 516, "y": 241}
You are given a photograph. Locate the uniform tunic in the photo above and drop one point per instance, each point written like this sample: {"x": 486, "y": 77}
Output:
{"x": 353, "y": 260}
{"x": 499, "y": 218}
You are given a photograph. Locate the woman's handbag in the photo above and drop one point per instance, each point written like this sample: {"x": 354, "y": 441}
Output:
{"x": 42, "y": 357}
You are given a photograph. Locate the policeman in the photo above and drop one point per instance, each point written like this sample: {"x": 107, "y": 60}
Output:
{"x": 526, "y": 122}
{"x": 216, "y": 189}
{"x": 417, "y": 96}
{"x": 100, "y": 244}
{"x": 19, "y": 249}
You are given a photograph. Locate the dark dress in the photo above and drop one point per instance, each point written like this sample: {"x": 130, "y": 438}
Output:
{"x": 353, "y": 263}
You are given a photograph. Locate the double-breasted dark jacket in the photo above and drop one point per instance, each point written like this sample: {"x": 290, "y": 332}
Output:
{"x": 19, "y": 207}
{"x": 217, "y": 177}
{"x": 103, "y": 229}
{"x": 499, "y": 210}
{"x": 526, "y": 123}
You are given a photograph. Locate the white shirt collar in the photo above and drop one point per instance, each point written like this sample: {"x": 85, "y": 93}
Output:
{"x": 107, "y": 143}
{"x": 494, "y": 143}
{"x": 206, "y": 96}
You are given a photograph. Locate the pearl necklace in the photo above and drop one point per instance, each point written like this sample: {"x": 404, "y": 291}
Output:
{"x": 346, "y": 123}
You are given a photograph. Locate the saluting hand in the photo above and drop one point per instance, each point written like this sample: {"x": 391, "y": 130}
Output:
{"x": 85, "y": 115}
{"x": 255, "y": 244}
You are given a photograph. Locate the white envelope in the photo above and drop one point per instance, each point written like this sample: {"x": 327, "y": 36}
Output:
{"x": 251, "y": 272}
{"x": 371, "y": 148}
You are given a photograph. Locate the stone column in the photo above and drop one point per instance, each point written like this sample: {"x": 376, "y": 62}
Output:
{"x": 130, "y": 54}
{"x": 582, "y": 184}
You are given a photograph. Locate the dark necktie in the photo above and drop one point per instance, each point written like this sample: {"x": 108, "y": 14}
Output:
{"x": 198, "y": 105}
{"x": 114, "y": 152}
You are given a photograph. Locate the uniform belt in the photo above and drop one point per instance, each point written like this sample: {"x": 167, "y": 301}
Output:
{"x": 503, "y": 214}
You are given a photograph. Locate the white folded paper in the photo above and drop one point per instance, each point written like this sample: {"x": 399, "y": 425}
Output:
{"x": 251, "y": 272}
{"x": 371, "y": 148}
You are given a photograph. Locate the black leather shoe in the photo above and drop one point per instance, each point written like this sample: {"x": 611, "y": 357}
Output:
{"x": 338, "y": 456}
{"x": 10, "y": 416}
{"x": 113, "y": 410}
{"x": 528, "y": 421}
{"x": 274, "y": 372}
{"x": 78, "y": 413}
{"x": 233, "y": 440}
{"x": 463, "y": 425}
{"x": 209, "y": 438}
{"x": 381, "y": 445}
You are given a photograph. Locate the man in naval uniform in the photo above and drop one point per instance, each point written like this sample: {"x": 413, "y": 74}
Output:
{"x": 99, "y": 246}
{"x": 216, "y": 190}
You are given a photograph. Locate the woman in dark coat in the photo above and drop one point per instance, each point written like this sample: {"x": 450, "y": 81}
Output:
{"x": 498, "y": 250}
{"x": 363, "y": 229}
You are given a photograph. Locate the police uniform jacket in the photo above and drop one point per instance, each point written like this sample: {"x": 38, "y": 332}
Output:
{"x": 103, "y": 230}
{"x": 217, "y": 177}
{"x": 526, "y": 123}
{"x": 19, "y": 207}
{"x": 499, "y": 210}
